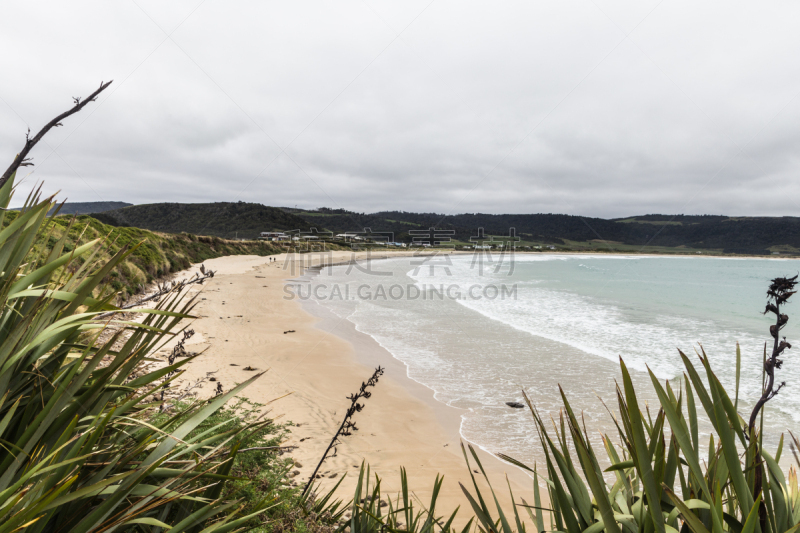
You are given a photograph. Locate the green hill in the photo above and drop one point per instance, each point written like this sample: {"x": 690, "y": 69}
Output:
{"x": 647, "y": 233}
{"x": 222, "y": 219}
{"x": 158, "y": 255}
{"x": 84, "y": 208}
{"x": 721, "y": 234}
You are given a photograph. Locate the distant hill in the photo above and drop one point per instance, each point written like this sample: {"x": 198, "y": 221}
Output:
{"x": 84, "y": 208}
{"x": 718, "y": 233}
{"x": 746, "y": 235}
{"x": 221, "y": 219}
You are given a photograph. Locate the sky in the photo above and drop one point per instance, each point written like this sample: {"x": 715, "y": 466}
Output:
{"x": 585, "y": 107}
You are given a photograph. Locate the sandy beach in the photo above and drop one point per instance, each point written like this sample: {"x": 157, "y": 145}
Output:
{"x": 244, "y": 319}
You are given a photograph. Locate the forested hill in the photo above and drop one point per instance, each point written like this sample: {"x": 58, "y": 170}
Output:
{"x": 749, "y": 235}
{"x": 83, "y": 208}
{"x": 222, "y": 219}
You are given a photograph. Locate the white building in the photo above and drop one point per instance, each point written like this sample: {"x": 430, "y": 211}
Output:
{"x": 274, "y": 236}
{"x": 350, "y": 237}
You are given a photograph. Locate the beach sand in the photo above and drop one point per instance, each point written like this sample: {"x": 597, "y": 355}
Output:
{"x": 243, "y": 314}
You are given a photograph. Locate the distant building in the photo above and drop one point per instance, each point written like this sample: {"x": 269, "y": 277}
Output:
{"x": 274, "y": 236}
{"x": 350, "y": 236}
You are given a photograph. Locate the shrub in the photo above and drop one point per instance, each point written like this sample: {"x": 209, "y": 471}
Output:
{"x": 79, "y": 452}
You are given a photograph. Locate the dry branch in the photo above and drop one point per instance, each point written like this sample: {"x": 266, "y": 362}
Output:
{"x": 162, "y": 289}
{"x": 22, "y": 159}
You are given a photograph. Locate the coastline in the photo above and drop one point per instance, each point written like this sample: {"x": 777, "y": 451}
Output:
{"x": 244, "y": 315}
{"x": 242, "y": 319}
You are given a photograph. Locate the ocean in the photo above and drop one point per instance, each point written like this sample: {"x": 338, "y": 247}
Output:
{"x": 478, "y": 329}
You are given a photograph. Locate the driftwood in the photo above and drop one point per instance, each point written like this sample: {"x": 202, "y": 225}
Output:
{"x": 22, "y": 159}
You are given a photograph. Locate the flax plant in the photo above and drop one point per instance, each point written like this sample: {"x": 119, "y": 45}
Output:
{"x": 78, "y": 452}
{"x": 661, "y": 479}
{"x": 371, "y": 510}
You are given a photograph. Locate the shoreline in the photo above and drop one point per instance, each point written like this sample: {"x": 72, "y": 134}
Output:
{"x": 318, "y": 359}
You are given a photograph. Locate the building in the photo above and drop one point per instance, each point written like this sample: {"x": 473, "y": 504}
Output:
{"x": 273, "y": 236}
{"x": 350, "y": 237}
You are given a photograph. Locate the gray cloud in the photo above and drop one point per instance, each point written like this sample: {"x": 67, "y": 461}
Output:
{"x": 584, "y": 107}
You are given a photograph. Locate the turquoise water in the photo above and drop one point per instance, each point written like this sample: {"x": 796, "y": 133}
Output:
{"x": 565, "y": 320}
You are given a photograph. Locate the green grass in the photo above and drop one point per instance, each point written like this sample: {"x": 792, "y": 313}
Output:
{"x": 599, "y": 246}
{"x": 784, "y": 249}
{"x": 614, "y": 247}
{"x": 157, "y": 254}
{"x": 260, "y": 474}
{"x": 652, "y": 222}
{"x": 403, "y": 222}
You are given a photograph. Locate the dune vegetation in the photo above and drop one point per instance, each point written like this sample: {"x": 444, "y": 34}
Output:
{"x": 155, "y": 255}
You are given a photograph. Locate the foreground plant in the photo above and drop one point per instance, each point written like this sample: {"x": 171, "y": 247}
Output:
{"x": 371, "y": 510}
{"x": 779, "y": 292}
{"x": 347, "y": 426}
{"x": 79, "y": 448}
{"x": 661, "y": 481}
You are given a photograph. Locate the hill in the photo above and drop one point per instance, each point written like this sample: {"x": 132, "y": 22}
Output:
{"x": 646, "y": 233}
{"x": 84, "y": 208}
{"x": 222, "y": 219}
{"x": 721, "y": 234}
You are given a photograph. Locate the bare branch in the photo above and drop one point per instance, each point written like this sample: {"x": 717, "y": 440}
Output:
{"x": 162, "y": 289}
{"x": 22, "y": 159}
{"x": 287, "y": 448}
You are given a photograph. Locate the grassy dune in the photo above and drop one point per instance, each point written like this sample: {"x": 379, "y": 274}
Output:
{"x": 159, "y": 255}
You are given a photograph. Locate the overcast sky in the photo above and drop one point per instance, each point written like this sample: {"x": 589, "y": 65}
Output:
{"x": 591, "y": 107}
